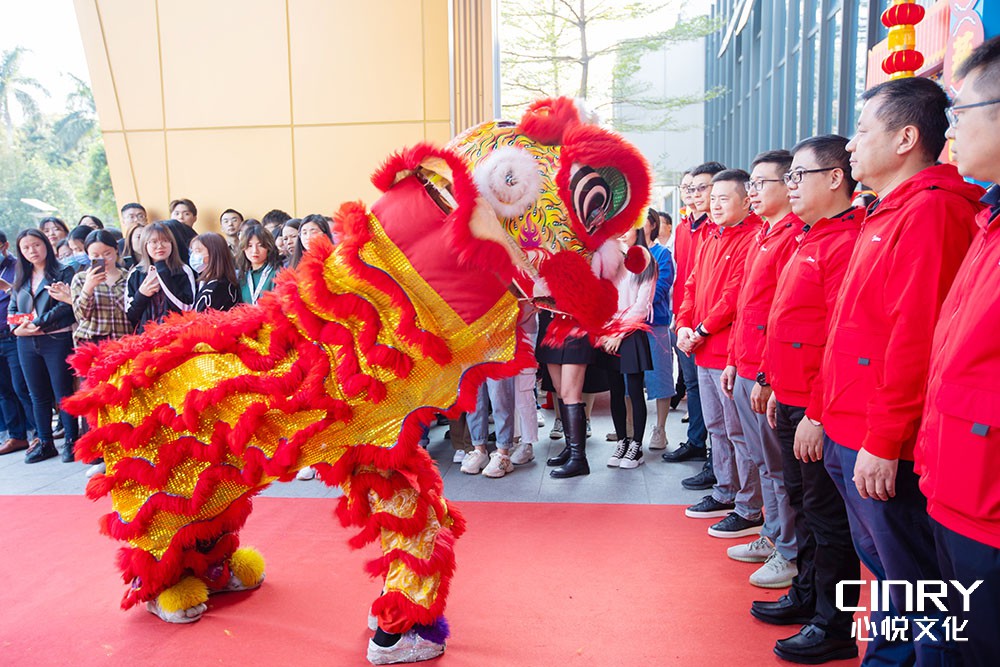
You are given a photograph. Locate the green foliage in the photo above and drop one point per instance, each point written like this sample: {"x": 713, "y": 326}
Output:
{"x": 549, "y": 47}
{"x": 58, "y": 159}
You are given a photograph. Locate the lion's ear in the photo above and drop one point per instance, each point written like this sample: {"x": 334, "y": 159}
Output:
{"x": 547, "y": 120}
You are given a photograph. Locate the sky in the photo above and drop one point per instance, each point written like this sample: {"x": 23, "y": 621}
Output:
{"x": 49, "y": 29}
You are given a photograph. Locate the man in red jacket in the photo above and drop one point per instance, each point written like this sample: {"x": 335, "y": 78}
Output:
{"x": 769, "y": 253}
{"x": 958, "y": 448}
{"x": 878, "y": 347}
{"x": 688, "y": 238}
{"x": 820, "y": 188}
{"x": 703, "y": 329}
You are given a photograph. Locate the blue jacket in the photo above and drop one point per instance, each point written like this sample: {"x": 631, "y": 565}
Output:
{"x": 661, "y": 299}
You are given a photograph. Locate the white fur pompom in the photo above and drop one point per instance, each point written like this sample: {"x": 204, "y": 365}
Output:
{"x": 607, "y": 261}
{"x": 509, "y": 180}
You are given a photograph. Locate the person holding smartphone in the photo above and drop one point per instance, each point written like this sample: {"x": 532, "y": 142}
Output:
{"x": 98, "y": 294}
{"x": 161, "y": 283}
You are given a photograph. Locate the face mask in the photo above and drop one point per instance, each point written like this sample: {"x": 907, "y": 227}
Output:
{"x": 197, "y": 262}
{"x": 77, "y": 259}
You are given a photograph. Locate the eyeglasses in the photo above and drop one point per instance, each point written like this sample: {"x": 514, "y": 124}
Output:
{"x": 758, "y": 185}
{"x": 953, "y": 117}
{"x": 691, "y": 189}
{"x": 795, "y": 177}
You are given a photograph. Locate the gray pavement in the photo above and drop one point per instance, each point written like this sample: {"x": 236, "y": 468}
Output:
{"x": 654, "y": 482}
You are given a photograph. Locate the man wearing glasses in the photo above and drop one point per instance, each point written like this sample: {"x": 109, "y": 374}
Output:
{"x": 742, "y": 380}
{"x": 958, "y": 450}
{"x": 696, "y": 189}
{"x": 704, "y": 326}
{"x": 879, "y": 344}
{"x": 820, "y": 188}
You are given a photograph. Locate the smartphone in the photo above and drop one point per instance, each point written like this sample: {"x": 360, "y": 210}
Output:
{"x": 98, "y": 264}
{"x": 5, "y": 286}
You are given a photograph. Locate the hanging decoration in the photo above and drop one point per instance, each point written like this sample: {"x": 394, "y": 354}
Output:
{"x": 903, "y": 59}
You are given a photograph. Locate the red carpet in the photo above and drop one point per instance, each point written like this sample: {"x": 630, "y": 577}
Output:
{"x": 537, "y": 584}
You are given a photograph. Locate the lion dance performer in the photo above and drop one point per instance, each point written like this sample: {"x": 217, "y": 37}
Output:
{"x": 344, "y": 362}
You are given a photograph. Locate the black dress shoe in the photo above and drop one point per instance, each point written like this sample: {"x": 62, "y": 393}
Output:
{"x": 781, "y": 612}
{"x": 68, "y": 455}
{"x": 40, "y": 451}
{"x": 686, "y": 452}
{"x": 811, "y": 646}
{"x": 703, "y": 480}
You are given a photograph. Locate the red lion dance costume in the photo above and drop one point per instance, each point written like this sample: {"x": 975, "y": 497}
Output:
{"x": 344, "y": 362}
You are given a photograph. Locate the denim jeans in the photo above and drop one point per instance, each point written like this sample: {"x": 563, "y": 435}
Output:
{"x": 499, "y": 393}
{"x": 697, "y": 432}
{"x": 15, "y": 401}
{"x": 49, "y": 378}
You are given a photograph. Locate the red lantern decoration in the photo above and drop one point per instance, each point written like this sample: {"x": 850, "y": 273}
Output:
{"x": 903, "y": 59}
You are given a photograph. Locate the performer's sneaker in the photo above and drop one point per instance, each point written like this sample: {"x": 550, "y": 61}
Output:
{"x": 235, "y": 584}
{"x": 189, "y": 615}
{"x": 411, "y": 647}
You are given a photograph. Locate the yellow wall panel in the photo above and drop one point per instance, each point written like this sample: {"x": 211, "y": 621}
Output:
{"x": 148, "y": 153}
{"x": 97, "y": 64}
{"x": 246, "y": 169}
{"x": 119, "y": 166}
{"x": 225, "y": 62}
{"x": 128, "y": 26}
{"x": 436, "y": 49}
{"x": 438, "y": 133}
{"x": 356, "y": 61}
{"x": 335, "y": 164}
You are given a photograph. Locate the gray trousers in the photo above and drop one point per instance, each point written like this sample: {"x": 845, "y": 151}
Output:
{"x": 737, "y": 479}
{"x": 765, "y": 451}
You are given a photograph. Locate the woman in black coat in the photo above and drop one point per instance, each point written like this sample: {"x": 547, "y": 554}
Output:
{"x": 161, "y": 283}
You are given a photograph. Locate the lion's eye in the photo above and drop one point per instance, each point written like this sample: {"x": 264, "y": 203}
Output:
{"x": 598, "y": 195}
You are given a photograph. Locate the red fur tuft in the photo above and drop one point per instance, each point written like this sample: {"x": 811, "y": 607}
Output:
{"x": 547, "y": 120}
{"x": 637, "y": 259}
{"x": 591, "y": 300}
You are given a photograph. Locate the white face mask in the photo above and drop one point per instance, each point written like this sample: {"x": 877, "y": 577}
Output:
{"x": 197, "y": 262}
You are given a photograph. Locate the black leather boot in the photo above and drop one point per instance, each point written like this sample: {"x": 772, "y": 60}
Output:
{"x": 575, "y": 427}
{"x": 562, "y": 457}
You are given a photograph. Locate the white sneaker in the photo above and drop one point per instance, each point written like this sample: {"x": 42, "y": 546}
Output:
{"x": 611, "y": 437}
{"x": 498, "y": 466}
{"x": 459, "y": 456}
{"x": 96, "y": 468}
{"x": 524, "y": 453}
{"x": 776, "y": 572}
{"x": 757, "y": 551}
{"x": 474, "y": 462}
{"x": 658, "y": 440}
{"x": 633, "y": 457}
{"x": 411, "y": 647}
{"x": 541, "y": 417}
{"x": 306, "y": 473}
{"x": 589, "y": 432}
{"x": 616, "y": 458}
{"x": 557, "y": 430}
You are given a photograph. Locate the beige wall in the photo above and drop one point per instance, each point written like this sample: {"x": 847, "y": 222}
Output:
{"x": 261, "y": 104}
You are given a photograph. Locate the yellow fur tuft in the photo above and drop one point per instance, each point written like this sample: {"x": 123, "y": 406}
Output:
{"x": 188, "y": 592}
{"x": 248, "y": 564}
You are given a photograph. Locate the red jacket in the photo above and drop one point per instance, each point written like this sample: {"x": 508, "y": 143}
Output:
{"x": 804, "y": 302}
{"x": 766, "y": 257}
{"x": 958, "y": 450}
{"x": 687, "y": 241}
{"x": 879, "y": 345}
{"x": 711, "y": 290}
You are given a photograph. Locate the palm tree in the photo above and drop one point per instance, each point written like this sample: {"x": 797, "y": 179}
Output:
{"x": 81, "y": 119}
{"x": 15, "y": 88}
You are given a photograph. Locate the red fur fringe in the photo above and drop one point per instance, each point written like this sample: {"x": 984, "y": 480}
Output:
{"x": 547, "y": 120}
